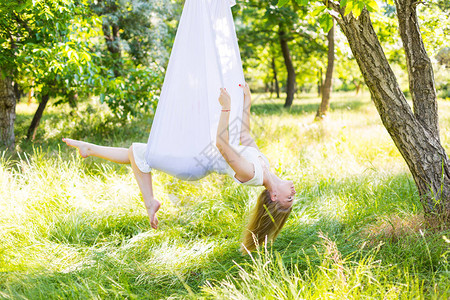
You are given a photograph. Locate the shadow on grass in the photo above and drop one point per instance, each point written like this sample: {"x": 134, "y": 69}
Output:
{"x": 110, "y": 270}
{"x": 358, "y": 229}
{"x": 125, "y": 276}
{"x": 104, "y": 280}
{"x": 83, "y": 229}
{"x": 272, "y": 107}
{"x": 90, "y": 126}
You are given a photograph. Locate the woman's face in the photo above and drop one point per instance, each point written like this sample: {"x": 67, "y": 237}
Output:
{"x": 285, "y": 194}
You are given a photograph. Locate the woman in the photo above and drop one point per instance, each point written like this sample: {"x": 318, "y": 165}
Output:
{"x": 245, "y": 163}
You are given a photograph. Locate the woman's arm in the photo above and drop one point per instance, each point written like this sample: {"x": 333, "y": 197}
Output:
{"x": 246, "y": 137}
{"x": 244, "y": 169}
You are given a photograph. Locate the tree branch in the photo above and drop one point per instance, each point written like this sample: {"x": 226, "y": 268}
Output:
{"x": 22, "y": 22}
{"x": 417, "y": 3}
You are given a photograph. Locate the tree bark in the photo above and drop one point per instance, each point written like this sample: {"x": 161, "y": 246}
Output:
{"x": 72, "y": 97}
{"x": 290, "y": 89}
{"x": 275, "y": 78}
{"x": 420, "y": 70}
{"x": 7, "y": 112}
{"x": 112, "y": 40}
{"x": 37, "y": 117}
{"x": 17, "y": 91}
{"x": 319, "y": 83}
{"x": 358, "y": 85}
{"x": 326, "y": 90}
{"x": 417, "y": 142}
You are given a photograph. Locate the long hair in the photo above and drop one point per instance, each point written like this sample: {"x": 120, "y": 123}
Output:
{"x": 266, "y": 220}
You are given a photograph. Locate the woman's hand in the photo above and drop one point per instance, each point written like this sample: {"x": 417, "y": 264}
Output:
{"x": 246, "y": 89}
{"x": 224, "y": 99}
{"x": 247, "y": 96}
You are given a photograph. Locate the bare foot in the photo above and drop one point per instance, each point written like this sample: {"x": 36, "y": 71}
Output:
{"x": 152, "y": 209}
{"x": 82, "y": 147}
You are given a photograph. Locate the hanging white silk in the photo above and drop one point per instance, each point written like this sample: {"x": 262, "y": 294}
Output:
{"x": 205, "y": 57}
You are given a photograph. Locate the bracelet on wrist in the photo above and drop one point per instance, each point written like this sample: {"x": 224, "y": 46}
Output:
{"x": 226, "y": 109}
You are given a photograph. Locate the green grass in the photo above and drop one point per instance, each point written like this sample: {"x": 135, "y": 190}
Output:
{"x": 74, "y": 228}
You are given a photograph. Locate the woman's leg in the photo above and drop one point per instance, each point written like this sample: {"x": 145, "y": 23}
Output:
{"x": 114, "y": 154}
{"x": 123, "y": 156}
{"x": 144, "y": 181}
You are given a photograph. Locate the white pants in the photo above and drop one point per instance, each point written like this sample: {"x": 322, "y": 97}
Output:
{"x": 184, "y": 168}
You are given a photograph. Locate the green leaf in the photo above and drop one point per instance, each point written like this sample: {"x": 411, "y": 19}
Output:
{"x": 24, "y": 6}
{"x": 282, "y": 2}
{"x": 343, "y": 3}
{"x": 372, "y": 5}
{"x": 318, "y": 10}
{"x": 348, "y": 8}
{"x": 357, "y": 9}
{"x": 85, "y": 56}
{"x": 303, "y": 2}
{"x": 326, "y": 22}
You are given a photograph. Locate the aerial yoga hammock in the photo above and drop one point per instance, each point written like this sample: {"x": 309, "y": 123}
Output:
{"x": 202, "y": 122}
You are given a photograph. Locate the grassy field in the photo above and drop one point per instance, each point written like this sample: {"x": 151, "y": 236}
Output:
{"x": 77, "y": 229}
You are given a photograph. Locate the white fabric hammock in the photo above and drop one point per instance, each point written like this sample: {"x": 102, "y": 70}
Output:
{"x": 205, "y": 57}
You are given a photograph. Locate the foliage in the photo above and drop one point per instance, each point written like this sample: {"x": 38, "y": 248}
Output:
{"x": 44, "y": 44}
{"x": 434, "y": 31}
{"x": 351, "y": 6}
{"x": 138, "y": 36}
{"x": 144, "y": 25}
{"x": 133, "y": 93}
{"x": 259, "y": 25}
{"x": 58, "y": 48}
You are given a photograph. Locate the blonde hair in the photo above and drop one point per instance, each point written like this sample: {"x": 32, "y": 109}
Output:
{"x": 265, "y": 221}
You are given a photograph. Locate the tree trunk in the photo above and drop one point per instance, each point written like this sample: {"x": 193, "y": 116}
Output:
{"x": 326, "y": 90}
{"x": 31, "y": 92}
{"x": 358, "y": 85}
{"x": 37, "y": 117}
{"x": 414, "y": 134}
{"x": 17, "y": 91}
{"x": 7, "y": 112}
{"x": 275, "y": 78}
{"x": 290, "y": 89}
{"x": 113, "y": 44}
{"x": 319, "y": 83}
{"x": 420, "y": 70}
{"x": 111, "y": 38}
{"x": 72, "y": 97}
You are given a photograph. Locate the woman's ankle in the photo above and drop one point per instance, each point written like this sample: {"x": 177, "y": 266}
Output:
{"x": 152, "y": 204}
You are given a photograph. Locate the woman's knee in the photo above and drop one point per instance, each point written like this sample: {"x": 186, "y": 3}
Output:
{"x": 130, "y": 152}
